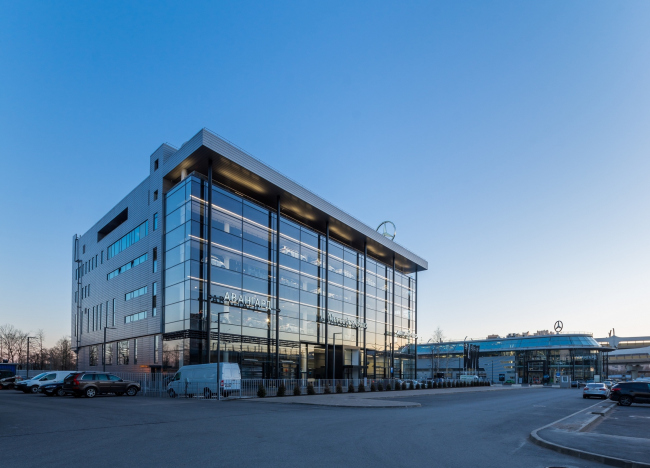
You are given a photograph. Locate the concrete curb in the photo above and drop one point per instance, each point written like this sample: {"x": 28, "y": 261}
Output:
{"x": 604, "y": 459}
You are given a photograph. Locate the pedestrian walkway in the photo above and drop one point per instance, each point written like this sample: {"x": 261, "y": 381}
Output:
{"x": 390, "y": 399}
{"x": 572, "y": 436}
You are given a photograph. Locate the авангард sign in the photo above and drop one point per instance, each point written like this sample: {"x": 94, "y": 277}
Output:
{"x": 342, "y": 322}
{"x": 246, "y": 302}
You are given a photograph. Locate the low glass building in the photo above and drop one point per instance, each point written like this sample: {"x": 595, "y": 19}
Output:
{"x": 535, "y": 359}
{"x": 215, "y": 250}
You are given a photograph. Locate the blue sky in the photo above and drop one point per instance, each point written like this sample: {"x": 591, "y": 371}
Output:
{"x": 507, "y": 141}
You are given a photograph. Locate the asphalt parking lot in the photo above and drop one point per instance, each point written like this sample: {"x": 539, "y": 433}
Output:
{"x": 630, "y": 421}
{"x": 487, "y": 429}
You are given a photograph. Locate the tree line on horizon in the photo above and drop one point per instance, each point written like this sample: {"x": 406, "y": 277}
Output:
{"x": 13, "y": 349}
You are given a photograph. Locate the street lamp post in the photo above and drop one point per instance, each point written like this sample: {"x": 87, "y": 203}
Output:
{"x": 334, "y": 356}
{"x": 464, "y": 360}
{"x": 28, "y": 338}
{"x": 219, "y": 314}
{"x": 104, "y": 348}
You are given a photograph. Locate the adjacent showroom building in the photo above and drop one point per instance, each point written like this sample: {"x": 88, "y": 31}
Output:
{"x": 213, "y": 240}
{"x": 539, "y": 358}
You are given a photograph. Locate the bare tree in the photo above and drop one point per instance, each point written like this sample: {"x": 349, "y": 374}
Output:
{"x": 61, "y": 355}
{"x": 438, "y": 336}
{"x": 14, "y": 342}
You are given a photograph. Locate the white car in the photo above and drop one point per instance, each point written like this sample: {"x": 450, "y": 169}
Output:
{"x": 598, "y": 390}
{"x": 32, "y": 385}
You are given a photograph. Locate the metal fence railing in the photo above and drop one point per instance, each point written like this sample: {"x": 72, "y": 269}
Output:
{"x": 163, "y": 385}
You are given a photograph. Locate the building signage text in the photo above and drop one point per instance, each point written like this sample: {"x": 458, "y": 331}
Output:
{"x": 342, "y": 322}
{"x": 244, "y": 302}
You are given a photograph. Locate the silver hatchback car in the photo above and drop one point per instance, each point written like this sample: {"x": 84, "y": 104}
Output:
{"x": 598, "y": 390}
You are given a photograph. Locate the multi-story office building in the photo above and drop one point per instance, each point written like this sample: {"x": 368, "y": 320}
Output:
{"x": 215, "y": 241}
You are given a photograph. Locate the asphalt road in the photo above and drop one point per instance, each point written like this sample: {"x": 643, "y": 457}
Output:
{"x": 483, "y": 429}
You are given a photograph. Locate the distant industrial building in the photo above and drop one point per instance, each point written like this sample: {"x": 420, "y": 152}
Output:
{"x": 631, "y": 357}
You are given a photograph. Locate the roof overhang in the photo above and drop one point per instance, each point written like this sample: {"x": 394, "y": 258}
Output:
{"x": 245, "y": 174}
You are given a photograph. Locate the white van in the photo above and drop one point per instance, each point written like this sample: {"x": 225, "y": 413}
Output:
{"x": 202, "y": 379}
{"x": 469, "y": 378}
{"x": 32, "y": 385}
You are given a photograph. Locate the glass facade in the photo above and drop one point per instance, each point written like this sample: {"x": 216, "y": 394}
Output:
{"x": 534, "y": 360}
{"x": 321, "y": 284}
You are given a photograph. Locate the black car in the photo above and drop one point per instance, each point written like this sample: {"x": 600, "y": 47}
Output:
{"x": 52, "y": 389}
{"x": 9, "y": 382}
{"x": 626, "y": 393}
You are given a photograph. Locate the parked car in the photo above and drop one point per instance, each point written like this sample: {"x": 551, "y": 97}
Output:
{"x": 598, "y": 390}
{"x": 52, "y": 389}
{"x": 626, "y": 393}
{"x": 25, "y": 384}
{"x": 609, "y": 383}
{"x": 202, "y": 379}
{"x": 9, "y": 382}
{"x": 6, "y": 373}
{"x": 91, "y": 384}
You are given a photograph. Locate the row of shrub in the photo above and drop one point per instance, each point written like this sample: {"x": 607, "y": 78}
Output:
{"x": 378, "y": 387}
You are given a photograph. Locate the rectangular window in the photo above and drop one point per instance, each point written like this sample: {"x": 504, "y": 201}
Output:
{"x": 93, "y": 356}
{"x": 93, "y": 318}
{"x": 155, "y": 221}
{"x": 127, "y": 266}
{"x": 113, "y": 320}
{"x": 155, "y": 165}
{"x": 106, "y": 314}
{"x": 87, "y": 321}
{"x": 123, "y": 353}
{"x": 156, "y": 347}
{"x": 100, "y": 317}
{"x": 102, "y": 256}
{"x": 109, "y": 354}
{"x": 154, "y": 304}
{"x": 135, "y": 351}
{"x": 155, "y": 195}
{"x": 128, "y": 240}
{"x": 155, "y": 259}
{"x": 135, "y": 317}
{"x": 137, "y": 293}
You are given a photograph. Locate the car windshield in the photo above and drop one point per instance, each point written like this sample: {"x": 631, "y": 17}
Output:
{"x": 38, "y": 376}
{"x": 595, "y": 385}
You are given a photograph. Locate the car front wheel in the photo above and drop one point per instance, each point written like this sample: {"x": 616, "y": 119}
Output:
{"x": 171, "y": 393}
{"x": 90, "y": 392}
{"x": 132, "y": 391}
{"x": 60, "y": 392}
{"x": 625, "y": 401}
{"x": 34, "y": 389}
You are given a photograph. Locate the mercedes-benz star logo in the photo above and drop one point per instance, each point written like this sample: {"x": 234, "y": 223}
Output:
{"x": 387, "y": 229}
{"x": 558, "y": 326}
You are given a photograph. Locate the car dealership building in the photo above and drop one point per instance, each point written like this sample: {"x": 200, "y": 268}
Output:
{"x": 214, "y": 240}
{"x": 538, "y": 358}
